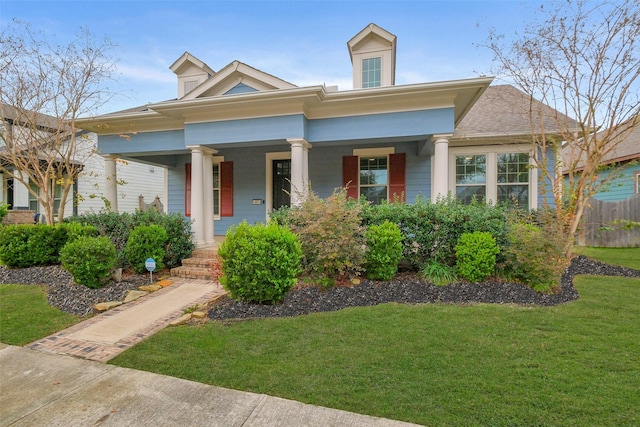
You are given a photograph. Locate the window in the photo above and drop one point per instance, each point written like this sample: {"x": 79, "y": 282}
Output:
{"x": 371, "y": 72}
{"x": 471, "y": 177}
{"x": 513, "y": 179}
{"x": 374, "y": 178}
{"x": 637, "y": 182}
{"x": 500, "y": 176}
{"x": 216, "y": 190}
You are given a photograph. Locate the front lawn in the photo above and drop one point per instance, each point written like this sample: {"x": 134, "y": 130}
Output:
{"x": 26, "y": 316}
{"x": 625, "y": 257}
{"x": 573, "y": 364}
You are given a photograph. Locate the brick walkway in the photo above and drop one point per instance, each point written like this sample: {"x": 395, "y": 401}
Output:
{"x": 63, "y": 342}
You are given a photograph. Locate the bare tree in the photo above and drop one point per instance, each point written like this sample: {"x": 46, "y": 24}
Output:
{"x": 44, "y": 88}
{"x": 582, "y": 59}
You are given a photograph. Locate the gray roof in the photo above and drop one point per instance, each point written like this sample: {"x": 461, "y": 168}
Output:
{"x": 504, "y": 110}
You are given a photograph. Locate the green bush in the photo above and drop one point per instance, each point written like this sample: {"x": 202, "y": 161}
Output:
{"x": 146, "y": 241}
{"x": 28, "y": 245}
{"x": 118, "y": 226}
{"x": 89, "y": 259}
{"x": 476, "y": 256}
{"x": 534, "y": 256}
{"x": 330, "y": 233}
{"x": 430, "y": 230}
{"x": 4, "y": 210}
{"x": 384, "y": 251}
{"x": 76, "y": 230}
{"x": 259, "y": 263}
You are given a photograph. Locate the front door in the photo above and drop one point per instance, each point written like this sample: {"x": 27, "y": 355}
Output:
{"x": 281, "y": 183}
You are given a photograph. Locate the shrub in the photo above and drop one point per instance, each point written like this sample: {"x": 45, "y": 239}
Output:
{"x": 89, "y": 259}
{"x": 384, "y": 251}
{"x": 28, "y": 245}
{"x": 259, "y": 263}
{"x": 431, "y": 230}
{"x": 146, "y": 241}
{"x": 534, "y": 255}
{"x": 117, "y": 227}
{"x": 437, "y": 273}
{"x": 4, "y": 210}
{"x": 75, "y": 230}
{"x": 330, "y": 233}
{"x": 476, "y": 256}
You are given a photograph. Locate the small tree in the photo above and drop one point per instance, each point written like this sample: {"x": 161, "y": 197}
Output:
{"x": 44, "y": 88}
{"x": 583, "y": 60}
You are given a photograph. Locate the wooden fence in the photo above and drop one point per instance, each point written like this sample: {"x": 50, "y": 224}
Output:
{"x": 603, "y": 224}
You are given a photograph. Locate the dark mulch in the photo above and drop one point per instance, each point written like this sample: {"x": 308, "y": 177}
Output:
{"x": 410, "y": 289}
{"x": 64, "y": 294}
{"x": 406, "y": 288}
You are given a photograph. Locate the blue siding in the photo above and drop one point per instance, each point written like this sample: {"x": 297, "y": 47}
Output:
{"x": 391, "y": 125}
{"x": 240, "y": 88}
{"x": 247, "y": 130}
{"x": 144, "y": 142}
{"x": 622, "y": 186}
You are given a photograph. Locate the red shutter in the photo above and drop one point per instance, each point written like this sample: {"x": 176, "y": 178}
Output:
{"x": 350, "y": 176}
{"x": 397, "y": 167}
{"x": 226, "y": 189}
{"x": 187, "y": 189}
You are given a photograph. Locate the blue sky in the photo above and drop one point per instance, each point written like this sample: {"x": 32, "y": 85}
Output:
{"x": 303, "y": 42}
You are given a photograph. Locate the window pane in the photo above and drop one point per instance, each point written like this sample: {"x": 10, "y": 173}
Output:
{"x": 465, "y": 193}
{"x": 514, "y": 194}
{"x": 371, "y": 72}
{"x": 471, "y": 169}
{"x": 513, "y": 168}
{"x": 374, "y": 194}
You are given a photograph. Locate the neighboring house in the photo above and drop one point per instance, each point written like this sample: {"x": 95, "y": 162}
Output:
{"x": 89, "y": 189}
{"x": 624, "y": 163}
{"x": 239, "y": 142}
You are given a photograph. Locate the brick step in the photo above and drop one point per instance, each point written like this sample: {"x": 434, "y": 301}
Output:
{"x": 199, "y": 262}
{"x": 187, "y": 272}
{"x": 204, "y": 253}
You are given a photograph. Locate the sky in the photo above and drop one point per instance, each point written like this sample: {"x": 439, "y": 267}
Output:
{"x": 302, "y": 42}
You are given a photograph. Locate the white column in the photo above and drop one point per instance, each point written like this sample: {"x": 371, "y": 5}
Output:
{"x": 197, "y": 200}
{"x": 208, "y": 200}
{"x": 440, "y": 184}
{"x": 299, "y": 170}
{"x": 111, "y": 182}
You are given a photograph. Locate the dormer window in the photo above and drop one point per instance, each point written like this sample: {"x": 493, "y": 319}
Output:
{"x": 372, "y": 72}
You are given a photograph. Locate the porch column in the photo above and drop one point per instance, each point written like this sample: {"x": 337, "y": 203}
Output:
{"x": 208, "y": 199}
{"x": 440, "y": 185}
{"x": 197, "y": 199}
{"x": 299, "y": 170}
{"x": 111, "y": 182}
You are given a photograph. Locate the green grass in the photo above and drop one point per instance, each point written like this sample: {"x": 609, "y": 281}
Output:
{"x": 625, "y": 257}
{"x": 25, "y": 315}
{"x": 575, "y": 364}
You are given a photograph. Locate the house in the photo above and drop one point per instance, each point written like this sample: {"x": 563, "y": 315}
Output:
{"x": 239, "y": 142}
{"x": 622, "y": 165}
{"x": 88, "y": 190}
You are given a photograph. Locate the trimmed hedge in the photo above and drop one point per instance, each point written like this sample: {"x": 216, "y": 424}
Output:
{"x": 89, "y": 259}
{"x": 29, "y": 245}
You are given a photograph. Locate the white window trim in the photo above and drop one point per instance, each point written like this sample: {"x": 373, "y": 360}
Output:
{"x": 374, "y": 152}
{"x": 491, "y": 153}
{"x": 637, "y": 183}
{"x": 216, "y": 160}
{"x": 269, "y": 158}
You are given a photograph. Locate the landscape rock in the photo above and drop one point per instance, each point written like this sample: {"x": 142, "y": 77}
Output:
{"x": 150, "y": 288}
{"x": 134, "y": 295}
{"x": 198, "y": 314}
{"x": 104, "y": 306}
{"x": 181, "y": 320}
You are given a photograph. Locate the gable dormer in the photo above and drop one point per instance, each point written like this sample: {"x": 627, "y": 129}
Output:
{"x": 237, "y": 78}
{"x": 191, "y": 73}
{"x": 373, "y": 55}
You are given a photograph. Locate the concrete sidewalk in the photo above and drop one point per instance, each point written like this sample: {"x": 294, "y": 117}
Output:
{"x": 40, "y": 389}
